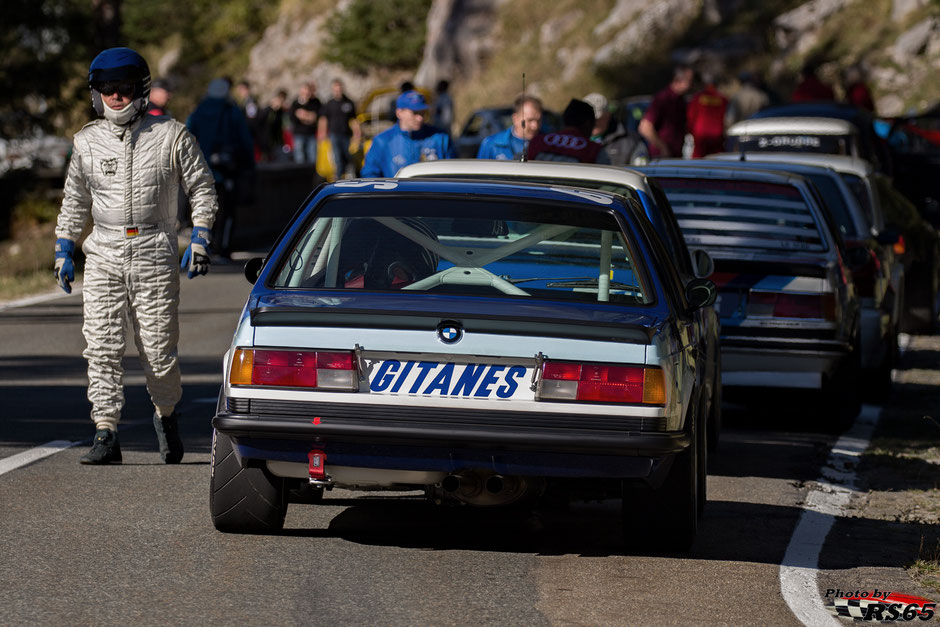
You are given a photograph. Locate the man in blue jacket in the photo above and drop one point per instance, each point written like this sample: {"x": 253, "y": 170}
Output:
{"x": 511, "y": 143}
{"x": 409, "y": 141}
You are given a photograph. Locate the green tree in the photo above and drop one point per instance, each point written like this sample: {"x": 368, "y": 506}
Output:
{"x": 388, "y": 34}
{"x": 46, "y": 45}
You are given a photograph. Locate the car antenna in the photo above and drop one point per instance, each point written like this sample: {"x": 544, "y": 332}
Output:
{"x": 525, "y": 142}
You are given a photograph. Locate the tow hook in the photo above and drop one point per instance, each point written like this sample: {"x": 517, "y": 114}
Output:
{"x": 539, "y": 359}
{"x": 317, "y": 470}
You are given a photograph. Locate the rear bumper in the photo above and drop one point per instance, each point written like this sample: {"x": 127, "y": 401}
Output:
{"x": 399, "y": 440}
{"x": 753, "y": 363}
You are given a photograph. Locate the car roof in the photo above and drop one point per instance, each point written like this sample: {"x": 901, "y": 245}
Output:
{"x": 694, "y": 169}
{"x": 822, "y": 109}
{"x": 792, "y": 126}
{"x": 553, "y": 169}
{"x": 839, "y": 163}
{"x": 594, "y": 198}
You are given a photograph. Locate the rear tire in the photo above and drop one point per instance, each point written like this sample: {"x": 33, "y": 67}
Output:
{"x": 878, "y": 381}
{"x": 666, "y": 518}
{"x": 841, "y": 398}
{"x": 243, "y": 500}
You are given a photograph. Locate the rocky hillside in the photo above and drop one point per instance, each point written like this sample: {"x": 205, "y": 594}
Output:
{"x": 625, "y": 47}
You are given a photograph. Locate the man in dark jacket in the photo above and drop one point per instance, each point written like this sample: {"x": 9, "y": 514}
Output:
{"x": 624, "y": 147}
{"x": 572, "y": 143}
{"x": 220, "y": 126}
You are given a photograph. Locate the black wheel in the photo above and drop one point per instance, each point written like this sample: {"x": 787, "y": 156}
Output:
{"x": 701, "y": 479}
{"x": 841, "y": 396}
{"x": 713, "y": 424}
{"x": 243, "y": 500}
{"x": 878, "y": 382}
{"x": 666, "y": 518}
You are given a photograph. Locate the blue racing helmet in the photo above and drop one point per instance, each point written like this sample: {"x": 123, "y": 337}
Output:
{"x": 119, "y": 68}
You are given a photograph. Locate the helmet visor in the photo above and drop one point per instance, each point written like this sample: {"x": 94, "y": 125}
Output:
{"x": 123, "y": 88}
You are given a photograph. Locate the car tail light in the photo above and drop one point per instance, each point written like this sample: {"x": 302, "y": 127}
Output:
{"x": 566, "y": 381}
{"x": 322, "y": 370}
{"x": 785, "y": 305}
{"x": 899, "y": 246}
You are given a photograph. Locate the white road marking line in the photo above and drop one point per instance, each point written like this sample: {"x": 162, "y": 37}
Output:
{"x": 826, "y": 500}
{"x": 41, "y": 298}
{"x": 56, "y": 446}
{"x": 34, "y": 454}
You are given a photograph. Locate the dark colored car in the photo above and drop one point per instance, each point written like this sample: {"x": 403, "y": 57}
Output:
{"x": 871, "y": 146}
{"x": 877, "y": 273}
{"x": 787, "y": 304}
{"x": 483, "y": 342}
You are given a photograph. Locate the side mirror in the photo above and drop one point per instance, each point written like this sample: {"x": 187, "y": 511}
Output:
{"x": 700, "y": 293}
{"x": 253, "y": 269}
{"x": 702, "y": 263}
{"x": 888, "y": 237}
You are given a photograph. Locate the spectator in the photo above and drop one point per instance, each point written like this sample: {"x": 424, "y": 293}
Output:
{"x": 226, "y": 142}
{"x": 747, "y": 100}
{"x": 442, "y": 112}
{"x": 160, "y": 94}
{"x": 623, "y": 147}
{"x": 664, "y": 124}
{"x": 338, "y": 122}
{"x": 271, "y": 126}
{"x": 811, "y": 88}
{"x": 572, "y": 143}
{"x": 511, "y": 143}
{"x": 125, "y": 170}
{"x": 856, "y": 91}
{"x": 409, "y": 141}
{"x": 249, "y": 106}
{"x": 304, "y": 112}
{"x": 706, "y": 119}
{"x": 404, "y": 88}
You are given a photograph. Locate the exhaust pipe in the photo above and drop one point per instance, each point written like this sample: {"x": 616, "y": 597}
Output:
{"x": 495, "y": 484}
{"x": 467, "y": 485}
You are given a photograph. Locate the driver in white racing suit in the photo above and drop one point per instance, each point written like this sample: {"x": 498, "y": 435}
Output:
{"x": 126, "y": 171}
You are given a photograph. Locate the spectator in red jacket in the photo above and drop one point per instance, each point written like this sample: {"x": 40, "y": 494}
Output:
{"x": 706, "y": 119}
{"x": 811, "y": 88}
{"x": 856, "y": 91}
{"x": 664, "y": 124}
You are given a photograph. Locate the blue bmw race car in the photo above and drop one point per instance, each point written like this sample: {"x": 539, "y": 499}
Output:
{"x": 480, "y": 341}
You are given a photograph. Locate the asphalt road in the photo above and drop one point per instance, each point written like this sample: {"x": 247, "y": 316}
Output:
{"x": 134, "y": 544}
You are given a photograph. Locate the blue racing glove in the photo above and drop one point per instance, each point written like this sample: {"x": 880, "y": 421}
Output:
{"x": 64, "y": 267}
{"x": 196, "y": 257}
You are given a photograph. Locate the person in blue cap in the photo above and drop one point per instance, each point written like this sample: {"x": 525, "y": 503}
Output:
{"x": 409, "y": 141}
{"x": 126, "y": 171}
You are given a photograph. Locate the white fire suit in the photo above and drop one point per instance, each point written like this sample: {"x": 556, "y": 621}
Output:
{"x": 129, "y": 177}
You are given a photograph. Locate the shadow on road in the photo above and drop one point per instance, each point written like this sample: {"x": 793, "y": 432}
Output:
{"x": 729, "y": 531}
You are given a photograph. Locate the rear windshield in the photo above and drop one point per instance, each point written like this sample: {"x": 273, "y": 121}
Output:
{"x": 743, "y": 214}
{"x": 826, "y": 144}
{"x": 486, "y": 247}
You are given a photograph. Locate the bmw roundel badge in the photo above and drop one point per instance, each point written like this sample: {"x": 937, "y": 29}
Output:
{"x": 449, "y": 332}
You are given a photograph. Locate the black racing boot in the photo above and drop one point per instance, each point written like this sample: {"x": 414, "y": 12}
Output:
{"x": 168, "y": 435}
{"x": 105, "y": 450}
